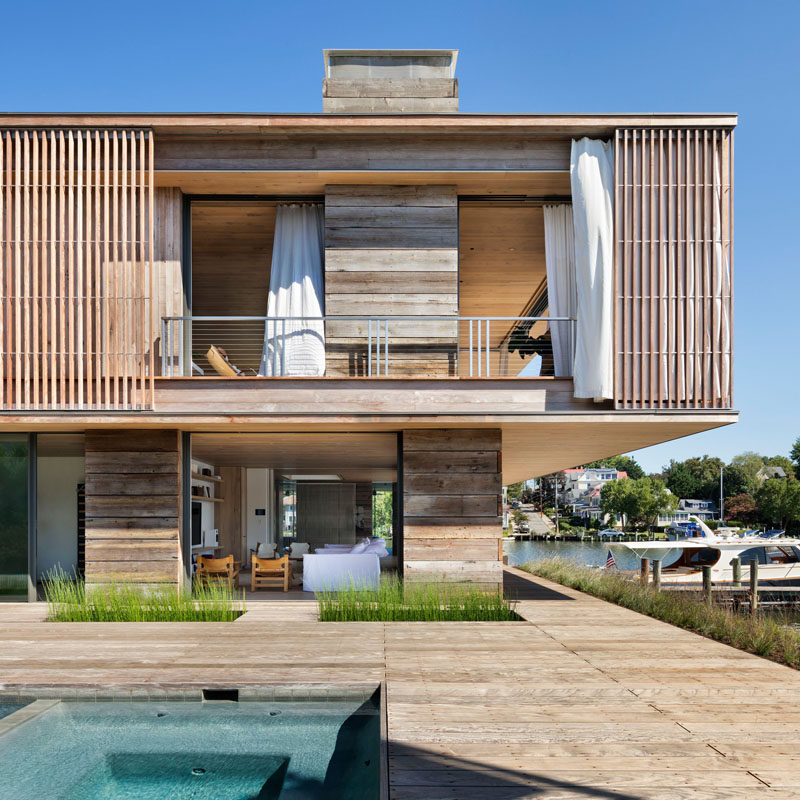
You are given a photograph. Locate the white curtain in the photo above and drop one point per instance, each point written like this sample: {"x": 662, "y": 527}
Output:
{"x": 562, "y": 301}
{"x": 592, "y": 178}
{"x": 296, "y": 348}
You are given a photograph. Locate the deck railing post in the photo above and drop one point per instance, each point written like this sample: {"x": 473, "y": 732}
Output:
{"x": 657, "y": 574}
{"x": 707, "y": 583}
{"x": 753, "y": 587}
{"x": 736, "y": 564}
{"x": 644, "y": 570}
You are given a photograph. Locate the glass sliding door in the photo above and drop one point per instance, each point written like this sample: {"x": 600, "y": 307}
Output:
{"x": 14, "y": 510}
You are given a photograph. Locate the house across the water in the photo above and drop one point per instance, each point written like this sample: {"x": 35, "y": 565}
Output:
{"x": 221, "y": 330}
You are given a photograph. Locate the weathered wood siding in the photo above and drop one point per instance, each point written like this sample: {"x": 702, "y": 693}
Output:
{"x": 392, "y": 251}
{"x": 363, "y": 509}
{"x": 674, "y": 257}
{"x": 76, "y": 279}
{"x": 169, "y": 299}
{"x": 133, "y": 506}
{"x": 452, "y": 522}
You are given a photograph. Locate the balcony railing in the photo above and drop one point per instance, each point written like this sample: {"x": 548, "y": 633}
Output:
{"x": 401, "y": 347}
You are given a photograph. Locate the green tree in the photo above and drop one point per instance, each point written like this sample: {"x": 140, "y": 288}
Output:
{"x": 706, "y": 474}
{"x": 794, "y": 454}
{"x": 742, "y": 507}
{"x": 515, "y": 491}
{"x": 623, "y": 463}
{"x": 519, "y": 517}
{"x": 737, "y": 481}
{"x": 779, "y": 501}
{"x": 680, "y": 480}
{"x": 382, "y": 512}
{"x": 749, "y": 464}
{"x": 640, "y": 500}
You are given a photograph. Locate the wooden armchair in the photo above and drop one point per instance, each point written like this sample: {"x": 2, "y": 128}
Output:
{"x": 267, "y": 572}
{"x": 225, "y": 569}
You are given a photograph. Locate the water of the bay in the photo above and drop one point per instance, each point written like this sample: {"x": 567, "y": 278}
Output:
{"x": 583, "y": 553}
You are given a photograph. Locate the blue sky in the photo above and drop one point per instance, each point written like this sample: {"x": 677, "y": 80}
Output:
{"x": 515, "y": 57}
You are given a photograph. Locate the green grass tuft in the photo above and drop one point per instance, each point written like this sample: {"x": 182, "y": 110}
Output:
{"x": 396, "y": 601}
{"x": 767, "y": 635}
{"x": 68, "y": 601}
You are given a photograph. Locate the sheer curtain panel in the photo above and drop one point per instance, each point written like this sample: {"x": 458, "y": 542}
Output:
{"x": 296, "y": 347}
{"x": 592, "y": 179}
{"x": 559, "y": 245}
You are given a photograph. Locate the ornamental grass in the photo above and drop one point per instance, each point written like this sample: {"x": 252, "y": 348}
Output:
{"x": 769, "y": 634}
{"x": 68, "y": 601}
{"x": 396, "y": 601}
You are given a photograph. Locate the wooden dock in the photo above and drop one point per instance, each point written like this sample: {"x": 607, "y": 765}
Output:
{"x": 583, "y": 699}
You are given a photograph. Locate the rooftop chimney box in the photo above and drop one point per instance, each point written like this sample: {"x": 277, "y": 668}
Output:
{"x": 389, "y": 81}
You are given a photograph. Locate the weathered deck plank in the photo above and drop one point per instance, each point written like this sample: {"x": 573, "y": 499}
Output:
{"x": 583, "y": 700}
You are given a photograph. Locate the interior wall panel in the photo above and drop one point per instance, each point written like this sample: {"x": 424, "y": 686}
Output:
{"x": 76, "y": 238}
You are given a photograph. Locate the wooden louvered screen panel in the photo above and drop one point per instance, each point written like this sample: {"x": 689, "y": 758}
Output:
{"x": 76, "y": 269}
{"x": 674, "y": 287}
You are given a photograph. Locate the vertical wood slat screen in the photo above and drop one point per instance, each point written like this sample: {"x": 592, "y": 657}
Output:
{"x": 674, "y": 275}
{"x": 76, "y": 271}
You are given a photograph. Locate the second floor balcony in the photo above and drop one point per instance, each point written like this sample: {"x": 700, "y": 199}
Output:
{"x": 367, "y": 347}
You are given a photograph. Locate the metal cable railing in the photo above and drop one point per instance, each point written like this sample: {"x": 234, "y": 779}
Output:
{"x": 356, "y": 346}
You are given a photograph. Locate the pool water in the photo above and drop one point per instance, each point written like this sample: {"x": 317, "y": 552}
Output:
{"x": 9, "y": 708}
{"x": 194, "y": 751}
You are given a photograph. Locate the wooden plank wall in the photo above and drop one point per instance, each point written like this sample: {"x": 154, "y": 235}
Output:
{"x": 76, "y": 245}
{"x": 133, "y": 506}
{"x": 169, "y": 299}
{"x": 229, "y": 515}
{"x": 363, "y": 509}
{"x": 452, "y": 495}
{"x": 392, "y": 251}
{"x": 326, "y": 513}
{"x": 674, "y": 279}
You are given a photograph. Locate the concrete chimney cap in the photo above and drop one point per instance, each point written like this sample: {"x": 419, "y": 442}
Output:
{"x": 378, "y": 58}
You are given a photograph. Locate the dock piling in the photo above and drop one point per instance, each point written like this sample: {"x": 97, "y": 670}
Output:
{"x": 754, "y": 587}
{"x": 644, "y": 569}
{"x": 736, "y": 563}
{"x": 707, "y": 583}
{"x": 657, "y": 574}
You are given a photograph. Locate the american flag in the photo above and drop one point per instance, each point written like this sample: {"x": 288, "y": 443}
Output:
{"x": 610, "y": 560}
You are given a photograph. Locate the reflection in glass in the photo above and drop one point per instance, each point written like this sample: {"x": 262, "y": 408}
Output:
{"x": 13, "y": 518}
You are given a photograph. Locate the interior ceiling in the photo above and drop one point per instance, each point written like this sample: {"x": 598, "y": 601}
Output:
{"x": 61, "y": 445}
{"x": 345, "y": 454}
{"x": 471, "y": 182}
{"x": 231, "y": 256}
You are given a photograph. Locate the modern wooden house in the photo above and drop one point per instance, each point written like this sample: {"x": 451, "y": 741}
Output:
{"x": 253, "y": 323}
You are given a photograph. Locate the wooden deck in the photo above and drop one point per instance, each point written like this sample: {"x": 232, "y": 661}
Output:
{"x": 583, "y": 700}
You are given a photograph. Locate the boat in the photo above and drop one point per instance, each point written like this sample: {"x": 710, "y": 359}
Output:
{"x": 683, "y": 559}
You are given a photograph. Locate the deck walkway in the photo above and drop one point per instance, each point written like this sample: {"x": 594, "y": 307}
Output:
{"x": 584, "y": 700}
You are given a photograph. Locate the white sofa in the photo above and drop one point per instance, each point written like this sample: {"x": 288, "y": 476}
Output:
{"x": 335, "y": 571}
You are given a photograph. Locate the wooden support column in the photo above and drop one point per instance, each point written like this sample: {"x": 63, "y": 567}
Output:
{"x": 133, "y": 507}
{"x": 452, "y": 506}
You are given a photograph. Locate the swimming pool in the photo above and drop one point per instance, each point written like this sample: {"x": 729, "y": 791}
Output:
{"x": 152, "y": 750}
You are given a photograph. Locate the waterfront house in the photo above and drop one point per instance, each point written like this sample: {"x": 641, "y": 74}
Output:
{"x": 224, "y": 330}
{"x": 582, "y": 489}
{"x": 702, "y": 509}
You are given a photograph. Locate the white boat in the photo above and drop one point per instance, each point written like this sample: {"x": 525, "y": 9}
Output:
{"x": 682, "y": 560}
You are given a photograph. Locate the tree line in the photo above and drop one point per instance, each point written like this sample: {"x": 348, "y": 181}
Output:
{"x": 752, "y": 495}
